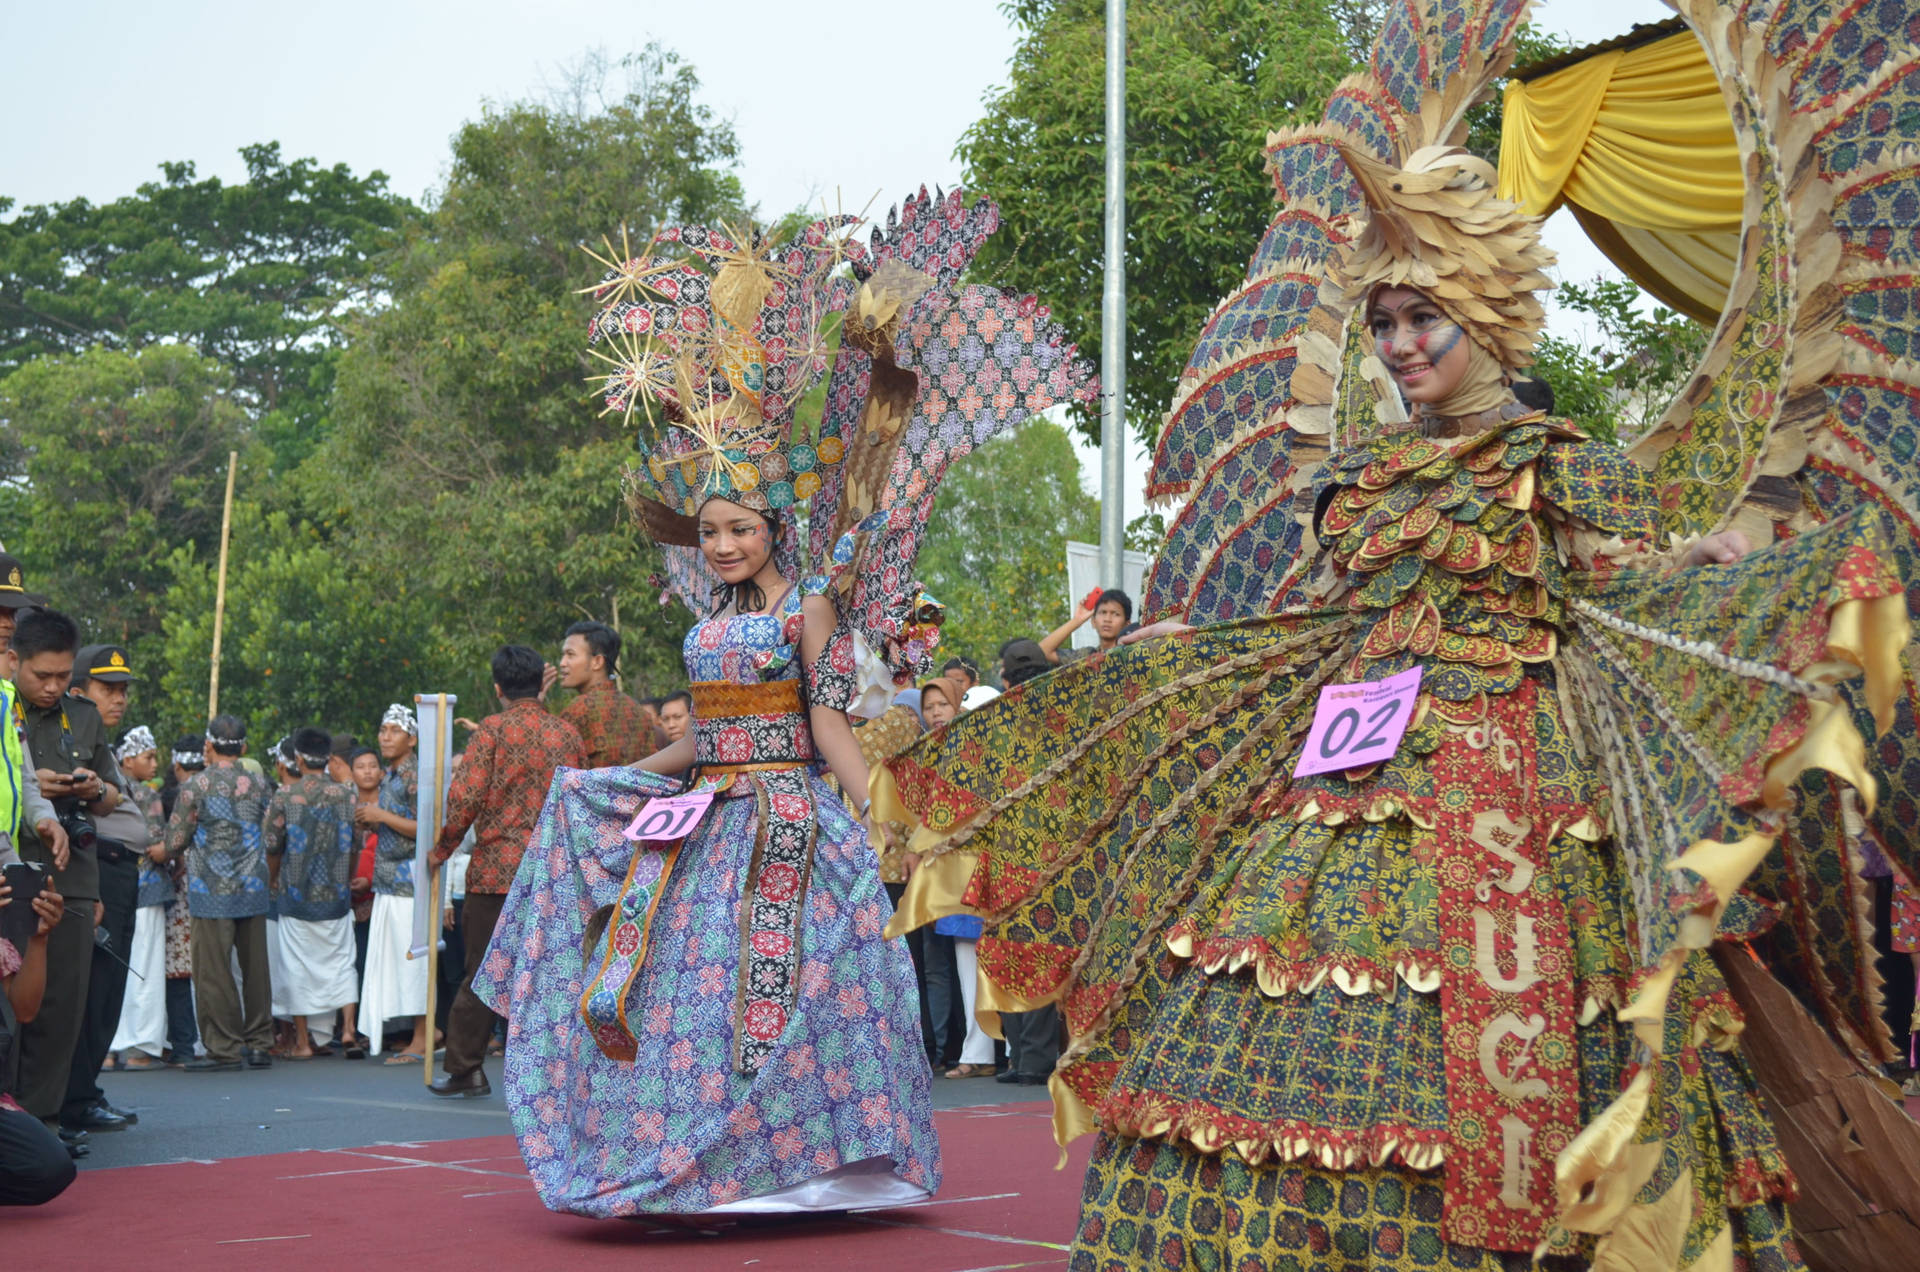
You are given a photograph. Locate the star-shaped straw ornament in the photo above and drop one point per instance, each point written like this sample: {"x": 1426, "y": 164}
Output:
{"x": 640, "y": 373}
{"x": 630, "y": 274}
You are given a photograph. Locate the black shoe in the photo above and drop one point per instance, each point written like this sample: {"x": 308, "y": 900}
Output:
{"x": 207, "y": 1064}
{"x": 1029, "y": 1079}
{"x": 95, "y": 1117}
{"x": 71, "y": 1135}
{"x": 469, "y": 1085}
{"x": 77, "y": 1151}
{"x": 257, "y": 1059}
{"x": 1006, "y": 1078}
{"x": 132, "y": 1118}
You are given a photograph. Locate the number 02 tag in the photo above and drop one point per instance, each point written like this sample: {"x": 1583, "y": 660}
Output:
{"x": 1355, "y": 725}
{"x": 668, "y": 817}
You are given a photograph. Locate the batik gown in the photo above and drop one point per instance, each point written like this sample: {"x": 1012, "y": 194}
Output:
{"x": 1352, "y": 1021}
{"x": 665, "y": 1052}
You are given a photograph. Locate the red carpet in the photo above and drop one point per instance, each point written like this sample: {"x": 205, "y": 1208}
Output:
{"x": 467, "y": 1204}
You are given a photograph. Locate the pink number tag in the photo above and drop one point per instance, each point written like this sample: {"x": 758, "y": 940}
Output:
{"x": 669, "y": 817}
{"x": 1355, "y": 725}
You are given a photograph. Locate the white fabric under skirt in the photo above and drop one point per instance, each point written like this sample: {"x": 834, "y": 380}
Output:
{"x": 396, "y": 986}
{"x": 978, "y": 1048}
{"x": 276, "y": 970}
{"x": 143, "y": 1012}
{"x": 315, "y": 976}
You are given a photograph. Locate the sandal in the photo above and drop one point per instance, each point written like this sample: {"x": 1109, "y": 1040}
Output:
{"x": 970, "y": 1071}
{"x": 356, "y": 1049}
{"x": 404, "y": 1057}
{"x": 138, "y": 1060}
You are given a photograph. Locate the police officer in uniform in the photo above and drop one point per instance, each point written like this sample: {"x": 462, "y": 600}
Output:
{"x": 102, "y": 677}
{"x": 77, "y": 773}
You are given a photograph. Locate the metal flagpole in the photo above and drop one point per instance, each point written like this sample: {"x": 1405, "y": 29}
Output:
{"x": 220, "y": 589}
{"x": 1113, "y": 309}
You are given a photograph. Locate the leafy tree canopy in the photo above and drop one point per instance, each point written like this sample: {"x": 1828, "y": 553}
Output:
{"x": 253, "y": 275}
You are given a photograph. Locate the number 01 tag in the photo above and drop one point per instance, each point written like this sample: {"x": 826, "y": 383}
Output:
{"x": 1355, "y": 725}
{"x": 668, "y": 817}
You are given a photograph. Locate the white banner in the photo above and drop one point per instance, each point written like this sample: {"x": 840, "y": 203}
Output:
{"x": 435, "y": 754}
{"x": 1083, "y": 576}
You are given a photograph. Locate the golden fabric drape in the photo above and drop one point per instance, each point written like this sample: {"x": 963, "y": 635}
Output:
{"x": 1639, "y": 142}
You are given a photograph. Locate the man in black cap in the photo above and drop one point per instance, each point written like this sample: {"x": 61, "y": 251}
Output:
{"x": 103, "y": 677}
{"x": 77, "y": 772}
{"x": 14, "y": 596}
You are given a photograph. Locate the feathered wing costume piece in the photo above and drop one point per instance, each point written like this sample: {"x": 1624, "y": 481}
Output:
{"x": 1467, "y": 992}
{"x": 725, "y": 344}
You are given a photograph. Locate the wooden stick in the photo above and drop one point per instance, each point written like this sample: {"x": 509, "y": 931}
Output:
{"x": 220, "y": 588}
{"x": 443, "y": 759}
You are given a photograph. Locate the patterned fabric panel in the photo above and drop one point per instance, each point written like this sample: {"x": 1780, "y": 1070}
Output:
{"x": 1148, "y": 1204}
{"x": 1234, "y": 399}
{"x": 1267, "y": 308}
{"x": 1239, "y": 579}
{"x": 1257, "y": 464}
{"x": 1883, "y": 314}
{"x": 1312, "y": 173}
{"x": 1874, "y": 127}
{"x": 1293, "y": 234}
{"x": 1834, "y": 49}
{"x": 1879, "y": 217}
{"x": 1400, "y": 56}
{"x": 1358, "y": 111}
{"x": 1601, "y": 486}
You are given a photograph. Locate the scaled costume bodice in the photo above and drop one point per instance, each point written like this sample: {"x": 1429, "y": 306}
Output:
{"x": 1540, "y": 863}
{"x": 745, "y": 671}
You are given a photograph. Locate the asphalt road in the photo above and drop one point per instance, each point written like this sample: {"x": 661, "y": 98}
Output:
{"x": 332, "y": 1103}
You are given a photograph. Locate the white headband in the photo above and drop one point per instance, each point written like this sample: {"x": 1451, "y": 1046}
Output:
{"x": 138, "y": 740}
{"x": 397, "y": 714}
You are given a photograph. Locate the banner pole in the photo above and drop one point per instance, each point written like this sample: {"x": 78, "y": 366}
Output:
{"x": 442, "y": 746}
{"x": 220, "y": 589}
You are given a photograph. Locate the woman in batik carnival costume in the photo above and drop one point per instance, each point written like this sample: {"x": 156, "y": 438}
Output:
{"x": 717, "y": 1023}
{"x": 1491, "y": 991}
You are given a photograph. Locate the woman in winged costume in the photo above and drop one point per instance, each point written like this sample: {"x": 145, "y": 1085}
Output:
{"x": 1450, "y": 1002}
{"x": 715, "y": 1023}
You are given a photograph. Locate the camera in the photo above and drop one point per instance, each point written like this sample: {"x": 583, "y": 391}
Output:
{"x": 81, "y": 835}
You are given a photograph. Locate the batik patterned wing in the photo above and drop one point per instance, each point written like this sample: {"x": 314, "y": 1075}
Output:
{"x": 1813, "y": 345}
{"x": 985, "y": 361}
{"x": 938, "y": 235}
{"x": 1236, "y": 423}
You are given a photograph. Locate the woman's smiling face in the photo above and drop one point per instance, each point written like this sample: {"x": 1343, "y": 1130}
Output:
{"x": 736, "y": 541}
{"x": 1426, "y": 351}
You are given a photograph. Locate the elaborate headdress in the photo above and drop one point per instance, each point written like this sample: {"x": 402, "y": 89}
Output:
{"x": 1437, "y": 225}
{"x": 718, "y": 351}
{"x": 724, "y": 357}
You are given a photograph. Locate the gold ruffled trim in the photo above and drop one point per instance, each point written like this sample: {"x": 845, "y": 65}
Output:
{"x": 1601, "y": 1171}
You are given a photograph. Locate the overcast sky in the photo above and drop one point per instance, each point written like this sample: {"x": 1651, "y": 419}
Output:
{"x": 832, "y": 102}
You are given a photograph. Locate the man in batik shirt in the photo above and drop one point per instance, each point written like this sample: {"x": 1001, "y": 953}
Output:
{"x": 216, "y": 826}
{"x": 499, "y": 790}
{"x": 615, "y": 728}
{"x": 395, "y": 986}
{"x": 310, "y": 852}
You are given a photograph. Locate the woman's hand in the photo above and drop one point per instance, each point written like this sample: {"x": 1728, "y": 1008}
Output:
{"x": 1165, "y": 627}
{"x": 51, "y": 907}
{"x": 1718, "y": 549}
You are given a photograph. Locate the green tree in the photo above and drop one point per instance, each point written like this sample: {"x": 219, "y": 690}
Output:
{"x": 1639, "y": 358}
{"x": 996, "y": 546}
{"x": 1206, "y": 80}
{"x": 310, "y": 636}
{"x": 253, "y": 275}
{"x": 114, "y": 460}
{"x": 468, "y": 454}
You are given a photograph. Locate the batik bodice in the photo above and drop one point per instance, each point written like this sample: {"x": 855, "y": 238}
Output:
{"x": 749, "y": 698}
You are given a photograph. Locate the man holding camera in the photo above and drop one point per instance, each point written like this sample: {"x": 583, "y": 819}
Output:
{"x": 76, "y": 771}
{"x": 102, "y": 676}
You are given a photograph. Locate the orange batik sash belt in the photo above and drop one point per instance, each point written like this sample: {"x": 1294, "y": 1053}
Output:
{"x": 747, "y": 738}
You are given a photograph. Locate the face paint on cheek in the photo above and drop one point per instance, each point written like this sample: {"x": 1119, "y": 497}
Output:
{"x": 1424, "y": 341}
